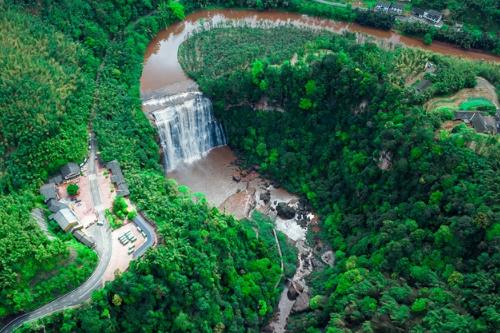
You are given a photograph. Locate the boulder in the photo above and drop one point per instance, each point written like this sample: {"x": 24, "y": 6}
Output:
{"x": 285, "y": 211}
{"x": 328, "y": 258}
{"x": 236, "y": 177}
{"x": 302, "y": 303}
{"x": 268, "y": 329}
{"x": 294, "y": 290}
{"x": 292, "y": 293}
{"x": 265, "y": 196}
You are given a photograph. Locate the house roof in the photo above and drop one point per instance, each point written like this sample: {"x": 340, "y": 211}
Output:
{"x": 48, "y": 191}
{"x": 56, "y": 206}
{"x": 117, "y": 178}
{"x": 397, "y": 6}
{"x": 65, "y": 218}
{"x": 478, "y": 122}
{"x": 56, "y": 179}
{"x": 383, "y": 4}
{"x": 418, "y": 11}
{"x": 84, "y": 238}
{"x": 463, "y": 115}
{"x": 491, "y": 124}
{"x": 123, "y": 190}
{"x": 114, "y": 166}
{"x": 433, "y": 13}
{"x": 69, "y": 170}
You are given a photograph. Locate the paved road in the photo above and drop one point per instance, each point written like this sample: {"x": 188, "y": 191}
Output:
{"x": 102, "y": 237}
{"x": 150, "y": 235}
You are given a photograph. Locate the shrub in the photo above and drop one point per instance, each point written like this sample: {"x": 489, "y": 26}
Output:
{"x": 72, "y": 189}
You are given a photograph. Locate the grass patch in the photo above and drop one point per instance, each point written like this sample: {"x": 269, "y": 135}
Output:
{"x": 445, "y": 108}
{"x": 475, "y": 103}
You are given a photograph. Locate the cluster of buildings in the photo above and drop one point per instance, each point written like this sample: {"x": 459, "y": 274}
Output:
{"x": 62, "y": 213}
{"x": 390, "y": 8}
{"x": 429, "y": 15}
{"x": 481, "y": 121}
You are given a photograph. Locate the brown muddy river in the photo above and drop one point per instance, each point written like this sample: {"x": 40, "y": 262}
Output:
{"x": 161, "y": 67}
{"x": 215, "y": 172}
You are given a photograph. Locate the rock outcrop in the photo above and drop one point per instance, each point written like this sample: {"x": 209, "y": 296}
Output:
{"x": 285, "y": 211}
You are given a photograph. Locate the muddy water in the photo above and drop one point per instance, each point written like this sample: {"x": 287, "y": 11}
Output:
{"x": 213, "y": 174}
{"x": 161, "y": 67}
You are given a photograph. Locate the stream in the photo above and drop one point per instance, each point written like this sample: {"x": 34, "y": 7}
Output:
{"x": 194, "y": 145}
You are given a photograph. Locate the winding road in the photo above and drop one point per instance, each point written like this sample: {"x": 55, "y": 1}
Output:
{"x": 102, "y": 236}
{"x": 81, "y": 294}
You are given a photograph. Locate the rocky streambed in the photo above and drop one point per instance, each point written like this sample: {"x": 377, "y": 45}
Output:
{"x": 239, "y": 192}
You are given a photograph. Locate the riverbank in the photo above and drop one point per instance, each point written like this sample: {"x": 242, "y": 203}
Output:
{"x": 162, "y": 69}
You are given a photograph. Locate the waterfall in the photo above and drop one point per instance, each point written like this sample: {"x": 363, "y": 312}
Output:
{"x": 187, "y": 127}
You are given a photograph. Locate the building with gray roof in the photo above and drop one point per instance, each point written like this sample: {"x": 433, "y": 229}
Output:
{"x": 118, "y": 179}
{"x": 66, "y": 219}
{"x": 56, "y": 179}
{"x": 70, "y": 170}
{"x": 84, "y": 238}
{"x": 433, "y": 15}
{"x": 482, "y": 122}
{"x": 55, "y": 205}
{"x": 49, "y": 192}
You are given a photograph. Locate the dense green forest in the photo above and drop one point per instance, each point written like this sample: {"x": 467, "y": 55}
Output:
{"x": 210, "y": 272}
{"x": 416, "y": 237}
{"x": 431, "y": 265}
{"x": 44, "y": 102}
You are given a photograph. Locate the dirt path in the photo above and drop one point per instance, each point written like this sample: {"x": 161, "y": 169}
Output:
{"x": 281, "y": 258}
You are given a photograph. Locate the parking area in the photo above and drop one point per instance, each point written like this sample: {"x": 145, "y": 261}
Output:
{"x": 125, "y": 240}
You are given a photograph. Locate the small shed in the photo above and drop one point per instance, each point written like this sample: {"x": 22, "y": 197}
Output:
{"x": 49, "y": 192}
{"x": 84, "y": 238}
{"x": 70, "y": 170}
{"x": 66, "y": 219}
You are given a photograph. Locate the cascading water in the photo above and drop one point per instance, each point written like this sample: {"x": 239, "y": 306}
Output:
{"x": 187, "y": 127}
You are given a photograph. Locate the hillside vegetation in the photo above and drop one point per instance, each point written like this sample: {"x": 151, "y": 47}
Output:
{"x": 411, "y": 211}
{"x": 44, "y": 103}
{"x": 209, "y": 272}
{"x": 416, "y": 244}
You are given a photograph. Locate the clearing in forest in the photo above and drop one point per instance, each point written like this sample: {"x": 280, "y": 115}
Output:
{"x": 483, "y": 94}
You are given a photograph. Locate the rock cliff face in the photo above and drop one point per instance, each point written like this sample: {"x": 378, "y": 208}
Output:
{"x": 187, "y": 127}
